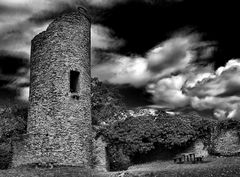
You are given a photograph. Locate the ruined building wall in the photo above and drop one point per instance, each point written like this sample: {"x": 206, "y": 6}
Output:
{"x": 100, "y": 160}
{"x": 59, "y": 123}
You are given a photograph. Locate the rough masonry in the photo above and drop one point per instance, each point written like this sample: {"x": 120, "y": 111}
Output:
{"x": 59, "y": 120}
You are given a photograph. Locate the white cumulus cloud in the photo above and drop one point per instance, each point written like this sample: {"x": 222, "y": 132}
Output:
{"x": 168, "y": 91}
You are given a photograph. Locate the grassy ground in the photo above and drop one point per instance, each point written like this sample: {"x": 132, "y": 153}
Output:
{"x": 44, "y": 172}
{"x": 212, "y": 167}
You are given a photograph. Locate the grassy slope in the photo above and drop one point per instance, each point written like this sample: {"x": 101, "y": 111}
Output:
{"x": 212, "y": 167}
{"x": 219, "y": 167}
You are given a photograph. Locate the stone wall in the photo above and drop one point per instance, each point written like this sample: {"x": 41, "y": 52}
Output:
{"x": 59, "y": 121}
{"x": 227, "y": 143}
{"x": 198, "y": 148}
{"x": 100, "y": 155}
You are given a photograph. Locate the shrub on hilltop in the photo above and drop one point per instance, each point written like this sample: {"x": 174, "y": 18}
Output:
{"x": 107, "y": 102}
{"x": 143, "y": 134}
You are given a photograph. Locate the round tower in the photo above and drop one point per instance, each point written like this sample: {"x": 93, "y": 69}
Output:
{"x": 59, "y": 120}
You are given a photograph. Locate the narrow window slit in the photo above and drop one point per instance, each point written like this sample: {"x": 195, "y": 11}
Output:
{"x": 74, "y": 81}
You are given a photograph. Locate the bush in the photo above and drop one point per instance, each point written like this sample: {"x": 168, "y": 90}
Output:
{"x": 138, "y": 135}
{"x": 107, "y": 102}
{"x": 204, "y": 129}
{"x": 13, "y": 121}
{"x": 117, "y": 158}
{"x": 228, "y": 124}
{"x": 175, "y": 132}
{"x": 5, "y": 155}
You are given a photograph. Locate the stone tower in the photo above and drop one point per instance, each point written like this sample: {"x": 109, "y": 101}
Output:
{"x": 59, "y": 120}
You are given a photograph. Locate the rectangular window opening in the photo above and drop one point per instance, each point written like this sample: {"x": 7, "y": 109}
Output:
{"x": 74, "y": 81}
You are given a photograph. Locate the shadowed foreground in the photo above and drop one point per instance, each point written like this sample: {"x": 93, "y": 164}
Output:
{"x": 221, "y": 167}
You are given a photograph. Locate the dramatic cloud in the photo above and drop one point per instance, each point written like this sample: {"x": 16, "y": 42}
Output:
{"x": 197, "y": 75}
{"x": 109, "y": 3}
{"x": 19, "y": 40}
{"x": 202, "y": 88}
{"x": 123, "y": 70}
{"x": 22, "y": 20}
{"x": 104, "y": 3}
{"x": 13, "y": 74}
{"x": 171, "y": 56}
{"x": 225, "y": 82}
{"x": 168, "y": 92}
{"x": 223, "y": 107}
{"x": 12, "y": 63}
{"x": 171, "y": 74}
{"x": 219, "y": 91}
{"x": 37, "y": 6}
{"x": 102, "y": 38}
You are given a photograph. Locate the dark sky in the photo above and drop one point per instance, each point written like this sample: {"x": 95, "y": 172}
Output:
{"x": 167, "y": 53}
{"x": 138, "y": 22}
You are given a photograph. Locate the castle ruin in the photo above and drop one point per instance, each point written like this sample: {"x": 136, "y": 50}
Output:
{"x": 59, "y": 120}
